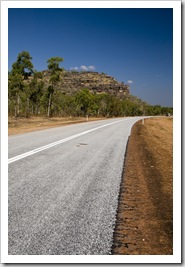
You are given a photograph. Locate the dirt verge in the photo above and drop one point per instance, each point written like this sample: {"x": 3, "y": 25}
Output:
{"x": 145, "y": 213}
{"x": 23, "y": 125}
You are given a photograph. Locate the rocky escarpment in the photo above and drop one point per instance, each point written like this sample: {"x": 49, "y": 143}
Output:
{"x": 72, "y": 81}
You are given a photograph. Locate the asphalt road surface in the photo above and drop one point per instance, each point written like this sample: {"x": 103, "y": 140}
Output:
{"x": 63, "y": 188}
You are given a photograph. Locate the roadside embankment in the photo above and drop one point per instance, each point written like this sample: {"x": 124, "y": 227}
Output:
{"x": 145, "y": 212}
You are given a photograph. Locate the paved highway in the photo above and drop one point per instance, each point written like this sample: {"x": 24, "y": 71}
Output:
{"x": 63, "y": 188}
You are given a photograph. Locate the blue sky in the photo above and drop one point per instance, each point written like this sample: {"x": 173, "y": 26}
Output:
{"x": 133, "y": 45}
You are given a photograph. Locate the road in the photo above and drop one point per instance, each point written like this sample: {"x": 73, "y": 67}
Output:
{"x": 64, "y": 186}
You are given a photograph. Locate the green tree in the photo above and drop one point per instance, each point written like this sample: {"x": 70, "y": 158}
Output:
{"x": 21, "y": 70}
{"x": 36, "y": 91}
{"x": 23, "y": 65}
{"x": 15, "y": 86}
{"x": 84, "y": 100}
{"x": 55, "y": 71}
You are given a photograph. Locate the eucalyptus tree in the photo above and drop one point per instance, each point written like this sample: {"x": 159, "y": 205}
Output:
{"x": 15, "y": 86}
{"x": 23, "y": 65}
{"x": 36, "y": 91}
{"x": 84, "y": 100}
{"x": 22, "y": 68}
{"x": 55, "y": 71}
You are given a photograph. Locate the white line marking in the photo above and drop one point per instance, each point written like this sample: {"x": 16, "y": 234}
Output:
{"x": 29, "y": 153}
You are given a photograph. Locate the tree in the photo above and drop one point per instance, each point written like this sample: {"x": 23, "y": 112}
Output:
{"x": 23, "y": 64}
{"x": 55, "y": 71}
{"x": 84, "y": 100}
{"x": 15, "y": 86}
{"x": 21, "y": 70}
{"x": 36, "y": 91}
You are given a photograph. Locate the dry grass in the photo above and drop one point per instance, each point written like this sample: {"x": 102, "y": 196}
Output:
{"x": 145, "y": 213}
{"x": 22, "y": 125}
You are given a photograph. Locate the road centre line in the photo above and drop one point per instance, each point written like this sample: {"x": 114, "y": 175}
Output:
{"x": 37, "y": 150}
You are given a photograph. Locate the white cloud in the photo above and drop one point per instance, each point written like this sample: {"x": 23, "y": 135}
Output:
{"x": 91, "y": 67}
{"x": 130, "y": 81}
{"x": 83, "y": 67}
{"x": 74, "y": 68}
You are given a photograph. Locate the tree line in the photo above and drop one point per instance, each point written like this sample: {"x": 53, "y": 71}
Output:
{"x": 29, "y": 95}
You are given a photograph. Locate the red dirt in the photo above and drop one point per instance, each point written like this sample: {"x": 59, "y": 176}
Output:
{"x": 23, "y": 125}
{"x": 145, "y": 212}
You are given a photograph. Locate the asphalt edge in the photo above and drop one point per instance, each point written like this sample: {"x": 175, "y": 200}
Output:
{"x": 119, "y": 196}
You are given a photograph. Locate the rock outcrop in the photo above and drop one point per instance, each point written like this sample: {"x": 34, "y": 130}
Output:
{"x": 98, "y": 83}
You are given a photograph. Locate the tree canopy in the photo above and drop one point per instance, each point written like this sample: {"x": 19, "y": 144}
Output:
{"x": 23, "y": 65}
{"x": 54, "y": 64}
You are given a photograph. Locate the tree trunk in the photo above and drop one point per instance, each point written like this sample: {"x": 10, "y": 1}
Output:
{"x": 27, "y": 107}
{"x": 18, "y": 104}
{"x": 15, "y": 111}
{"x": 38, "y": 109}
{"x": 49, "y": 105}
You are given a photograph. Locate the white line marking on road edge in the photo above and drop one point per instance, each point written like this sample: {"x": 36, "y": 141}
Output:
{"x": 29, "y": 153}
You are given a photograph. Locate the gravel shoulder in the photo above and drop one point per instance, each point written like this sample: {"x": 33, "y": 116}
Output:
{"x": 145, "y": 212}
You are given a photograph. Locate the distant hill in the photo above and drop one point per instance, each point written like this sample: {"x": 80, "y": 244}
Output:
{"x": 97, "y": 83}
